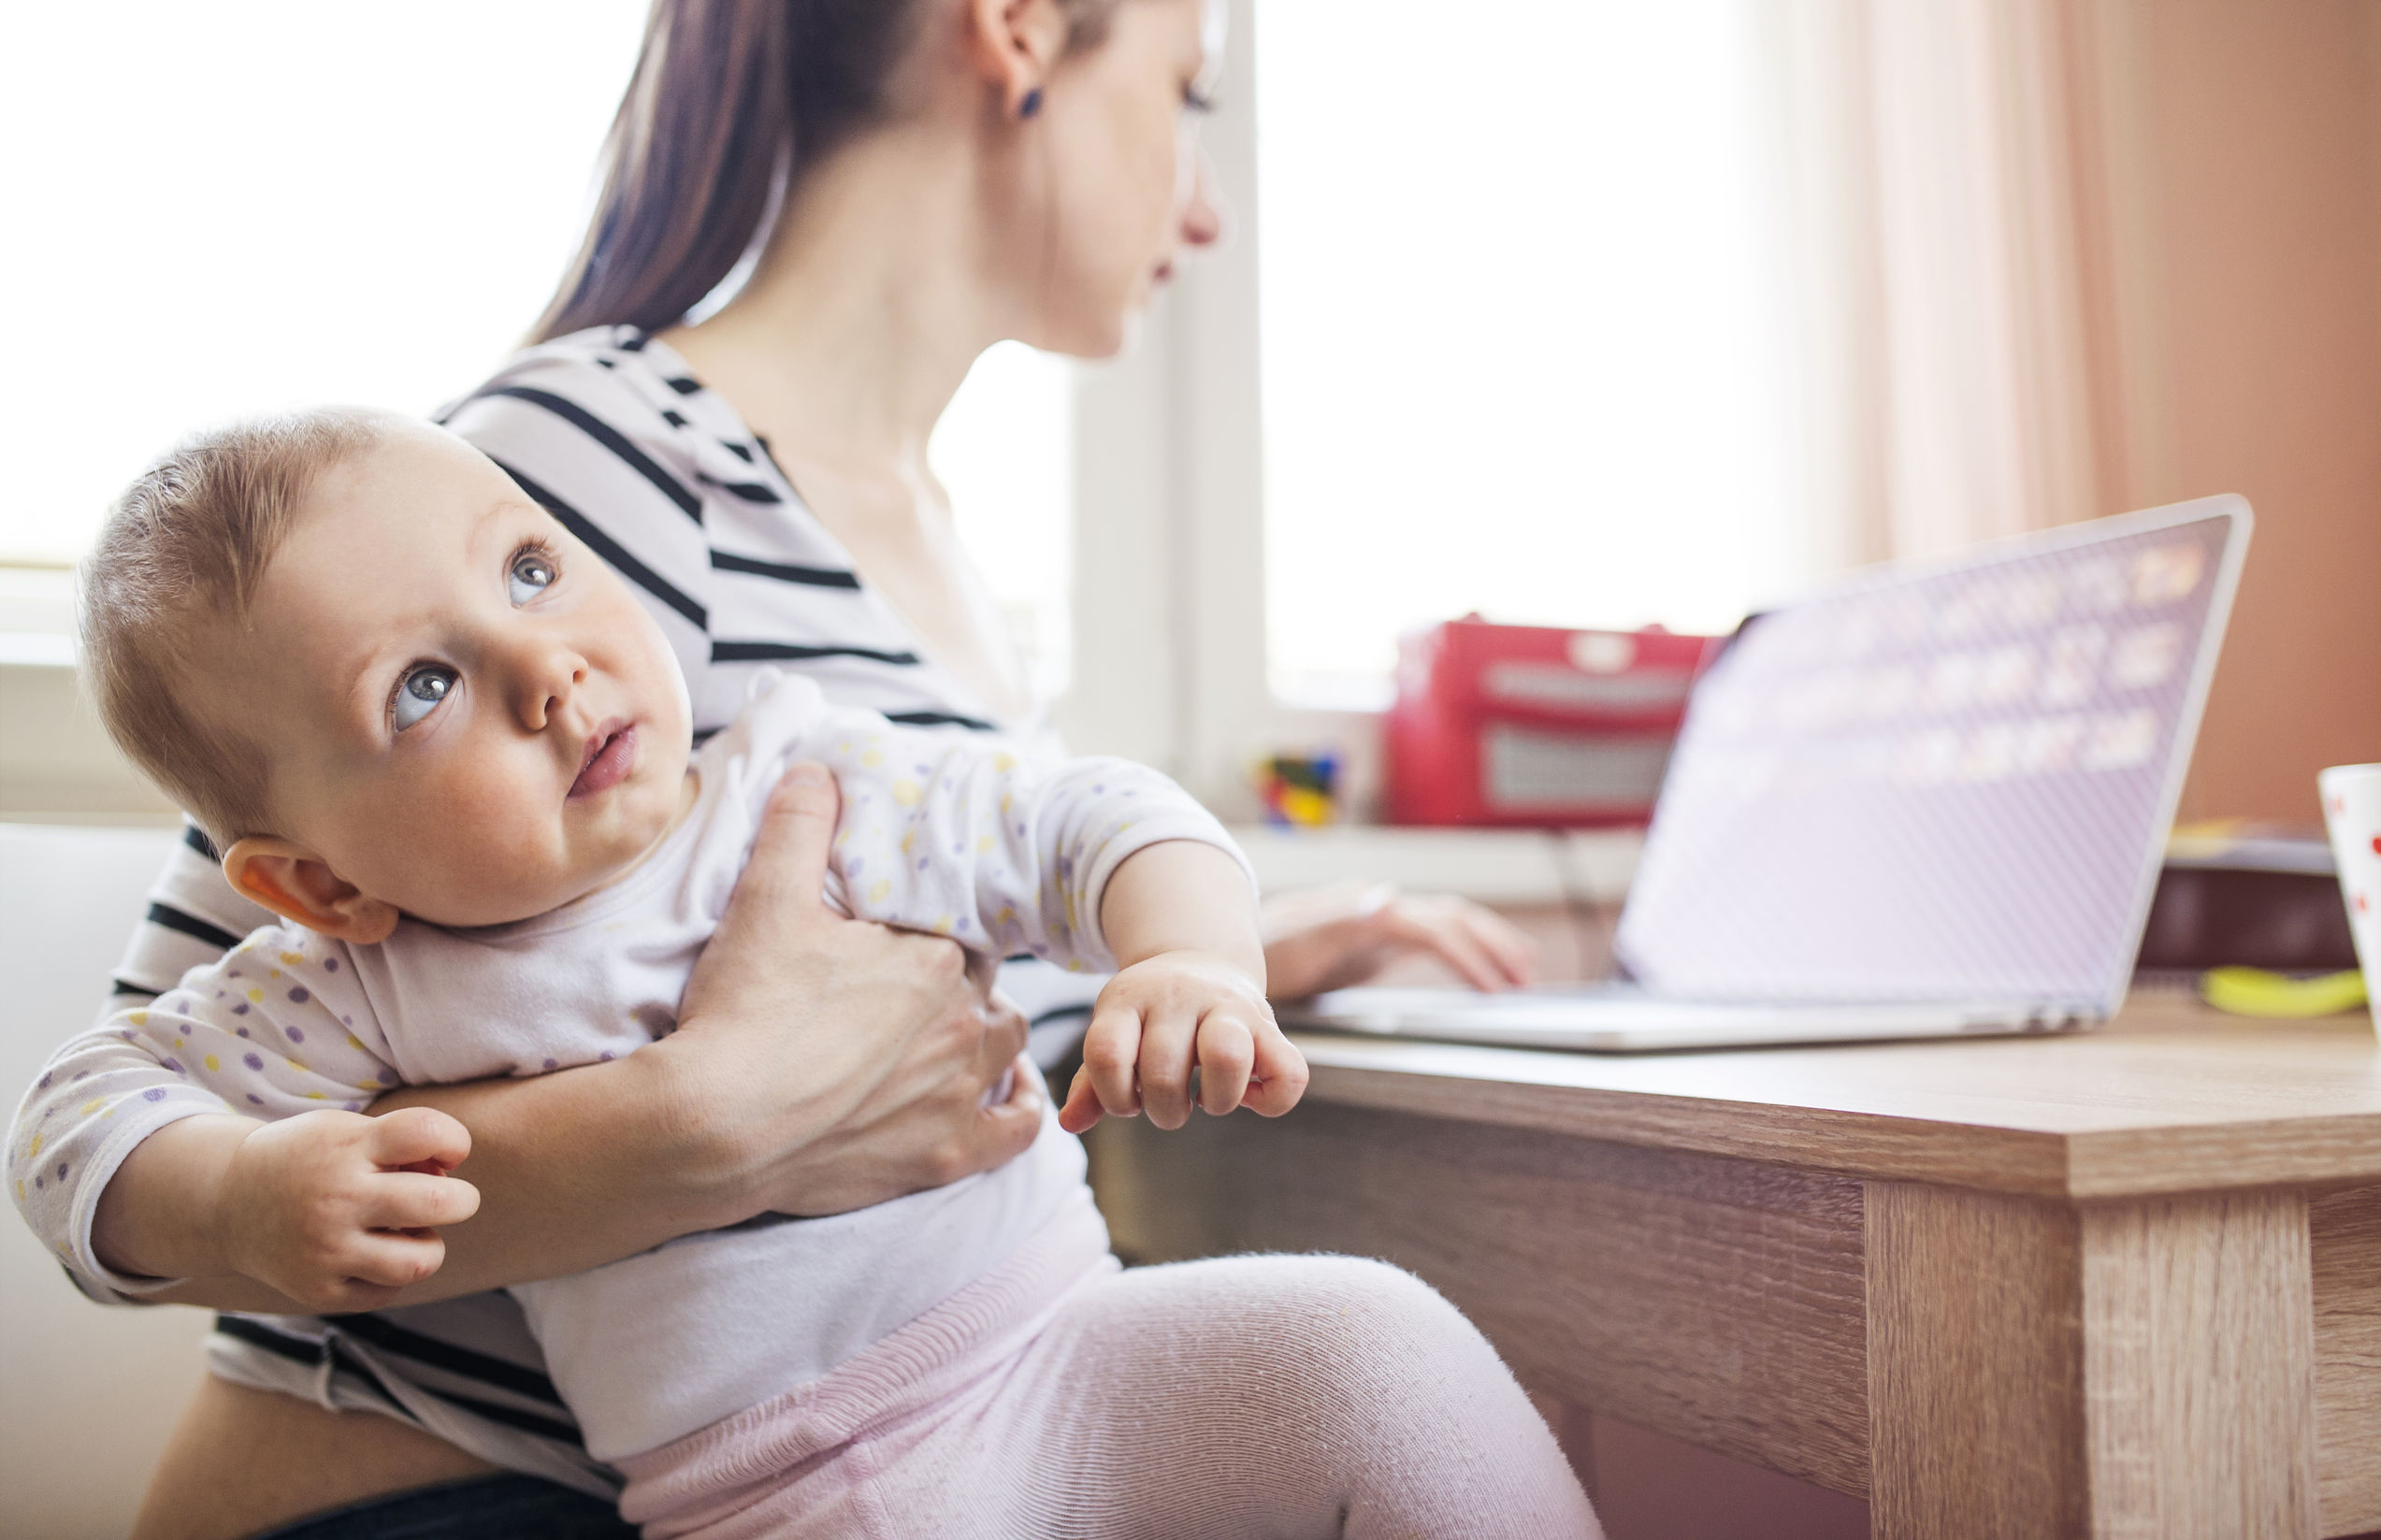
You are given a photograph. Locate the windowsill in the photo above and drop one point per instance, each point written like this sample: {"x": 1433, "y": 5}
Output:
{"x": 1519, "y": 866}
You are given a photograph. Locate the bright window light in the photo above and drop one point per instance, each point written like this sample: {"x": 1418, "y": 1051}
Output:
{"x": 246, "y": 205}
{"x": 1003, "y": 452}
{"x": 1519, "y": 324}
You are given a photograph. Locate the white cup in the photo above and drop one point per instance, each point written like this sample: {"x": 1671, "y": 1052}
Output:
{"x": 2352, "y": 811}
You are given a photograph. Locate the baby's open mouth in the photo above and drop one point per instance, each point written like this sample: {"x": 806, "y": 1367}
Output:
{"x": 610, "y": 754}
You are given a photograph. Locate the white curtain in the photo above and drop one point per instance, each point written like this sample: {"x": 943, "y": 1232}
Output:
{"x": 1943, "y": 164}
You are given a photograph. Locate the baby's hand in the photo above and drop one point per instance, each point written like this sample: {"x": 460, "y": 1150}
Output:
{"x": 337, "y": 1210}
{"x": 1166, "y": 1014}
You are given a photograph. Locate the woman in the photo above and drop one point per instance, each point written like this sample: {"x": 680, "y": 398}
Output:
{"x": 947, "y": 174}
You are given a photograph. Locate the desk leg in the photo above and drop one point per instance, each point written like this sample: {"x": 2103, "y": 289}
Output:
{"x": 2141, "y": 1369}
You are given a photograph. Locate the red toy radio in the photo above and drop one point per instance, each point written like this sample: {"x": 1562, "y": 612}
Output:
{"x": 1535, "y": 725}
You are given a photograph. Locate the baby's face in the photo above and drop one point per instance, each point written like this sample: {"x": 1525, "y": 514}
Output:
{"x": 466, "y": 715}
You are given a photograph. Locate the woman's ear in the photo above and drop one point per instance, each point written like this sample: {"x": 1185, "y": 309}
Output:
{"x": 299, "y": 886}
{"x": 1014, "y": 44}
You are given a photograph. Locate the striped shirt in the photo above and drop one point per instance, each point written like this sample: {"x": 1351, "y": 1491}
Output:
{"x": 610, "y": 432}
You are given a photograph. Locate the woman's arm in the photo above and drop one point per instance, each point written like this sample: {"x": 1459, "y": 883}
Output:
{"x": 820, "y": 1065}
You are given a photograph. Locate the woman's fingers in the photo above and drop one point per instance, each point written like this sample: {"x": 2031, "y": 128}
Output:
{"x": 1227, "y": 1054}
{"x": 797, "y": 832}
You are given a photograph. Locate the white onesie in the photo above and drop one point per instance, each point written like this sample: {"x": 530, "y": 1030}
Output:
{"x": 941, "y": 831}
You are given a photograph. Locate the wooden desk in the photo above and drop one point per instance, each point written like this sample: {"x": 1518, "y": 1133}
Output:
{"x": 2120, "y": 1283}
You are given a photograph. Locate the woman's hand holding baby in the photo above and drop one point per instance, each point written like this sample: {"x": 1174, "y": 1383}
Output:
{"x": 1190, "y": 994}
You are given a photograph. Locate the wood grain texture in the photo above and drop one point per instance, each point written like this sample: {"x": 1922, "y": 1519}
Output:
{"x": 2199, "y": 1367}
{"x": 1716, "y": 1301}
{"x": 2169, "y": 1097}
{"x": 1975, "y": 1374}
{"x": 2345, "y": 1247}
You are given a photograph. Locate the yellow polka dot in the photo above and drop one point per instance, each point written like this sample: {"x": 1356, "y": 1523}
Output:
{"x": 1076, "y": 966}
{"x": 1007, "y": 801}
{"x": 274, "y": 975}
{"x": 317, "y": 1096}
{"x": 20, "y": 1195}
{"x": 880, "y": 890}
{"x": 177, "y": 1043}
{"x": 356, "y": 1043}
{"x": 292, "y": 958}
{"x": 942, "y": 922}
{"x": 256, "y": 997}
{"x": 108, "y": 1114}
{"x": 909, "y": 842}
{"x": 1003, "y": 762}
{"x": 984, "y": 844}
{"x": 33, "y": 1151}
{"x": 138, "y": 1018}
{"x": 91, "y": 1106}
{"x": 871, "y": 760}
{"x": 297, "y": 1064}
{"x": 214, "y": 1063}
{"x": 906, "y": 792}
{"x": 368, "y": 1086}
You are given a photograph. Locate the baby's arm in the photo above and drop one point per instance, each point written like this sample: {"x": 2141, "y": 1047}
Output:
{"x": 1093, "y": 863}
{"x": 216, "y": 1131}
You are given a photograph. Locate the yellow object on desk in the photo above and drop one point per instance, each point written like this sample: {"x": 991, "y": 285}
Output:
{"x": 2255, "y": 992}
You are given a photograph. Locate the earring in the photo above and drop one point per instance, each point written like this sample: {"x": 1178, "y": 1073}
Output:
{"x": 1031, "y": 104}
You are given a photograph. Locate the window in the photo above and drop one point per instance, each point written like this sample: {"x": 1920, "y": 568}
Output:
{"x": 1519, "y": 327}
{"x": 1003, "y": 453}
{"x": 237, "y": 207}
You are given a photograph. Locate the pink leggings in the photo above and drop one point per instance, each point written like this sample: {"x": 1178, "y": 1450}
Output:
{"x": 1275, "y": 1396}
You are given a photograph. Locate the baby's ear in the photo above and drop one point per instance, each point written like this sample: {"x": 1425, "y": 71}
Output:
{"x": 299, "y": 886}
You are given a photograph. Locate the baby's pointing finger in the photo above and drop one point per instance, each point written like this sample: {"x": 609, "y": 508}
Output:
{"x": 1169, "y": 1039}
{"x": 1227, "y": 1052}
{"x": 1112, "y": 1052}
{"x": 406, "y": 1199}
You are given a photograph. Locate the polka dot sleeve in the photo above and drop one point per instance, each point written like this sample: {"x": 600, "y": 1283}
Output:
{"x": 967, "y": 837}
{"x": 278, "y": 1026}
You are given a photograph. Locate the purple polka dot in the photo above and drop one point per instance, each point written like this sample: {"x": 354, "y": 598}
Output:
{"x": 355, "y": 1106}
{"x": 62, "y": 1171}
{"x": 37, "y": 1184}
{"x": 241, "y": 1010}
{"x": 331, "y": 965}
{"x": 347, "y": 1021}
{"x": 255, "y": 1101}
{"x": 921, "y": 863}
{"x": 386, "y": 1077}
{"x": 154, "y": 1093}
{"x": 254, "y": 1061}
{"x": 80, "y": 1075}
{"x": 857, "y": 865}
{"x": 243, "y": 1031}
{"x": 45, "y": 1083}
{"x": 1098, "y": 791}
{"x": 218, "y": 993}
{"x": 233, "y": 974}
{"x": 604, "y": 1057}
{"x": 124, "y": 1032}
{"x": 293, "y": 1034}
{"x": 298, "y": 996}
{"x": 551, "y": 1064}
{"x": 172, "y": 1064}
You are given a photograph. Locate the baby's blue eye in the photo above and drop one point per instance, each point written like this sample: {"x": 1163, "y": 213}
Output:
{"x": 419, "y": 692}
{"x": 532, "y": 574}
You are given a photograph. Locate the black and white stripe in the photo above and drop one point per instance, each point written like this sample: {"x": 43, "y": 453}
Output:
{"x": 612, "y": 435}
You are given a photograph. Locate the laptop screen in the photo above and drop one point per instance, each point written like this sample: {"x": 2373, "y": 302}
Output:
{"x": 1946, "y": 783}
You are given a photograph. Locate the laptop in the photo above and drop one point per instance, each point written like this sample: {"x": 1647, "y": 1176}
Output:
{"x": 1930, "y": 800}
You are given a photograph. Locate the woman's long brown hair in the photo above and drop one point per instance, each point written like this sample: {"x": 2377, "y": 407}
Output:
{"x": 727, "y": 96}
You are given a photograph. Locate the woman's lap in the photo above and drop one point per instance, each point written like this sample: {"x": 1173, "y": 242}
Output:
{"x": 494, "y": 1507}
{"x": 1284, "y": 1396}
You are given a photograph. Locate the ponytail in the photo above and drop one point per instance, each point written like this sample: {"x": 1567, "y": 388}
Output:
{"x": 727, "y": 96}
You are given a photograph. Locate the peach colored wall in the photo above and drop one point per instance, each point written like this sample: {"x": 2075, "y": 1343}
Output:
{"x": 2262, "y": 138}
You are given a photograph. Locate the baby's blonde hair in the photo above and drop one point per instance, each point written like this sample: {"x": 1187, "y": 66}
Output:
{"x": 186, "y": 544}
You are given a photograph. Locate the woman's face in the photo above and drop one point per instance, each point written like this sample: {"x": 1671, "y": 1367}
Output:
{"x": 1125, "y": 182}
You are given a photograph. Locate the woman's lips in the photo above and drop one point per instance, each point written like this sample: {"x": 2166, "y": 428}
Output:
{"x": 612, "y": 753}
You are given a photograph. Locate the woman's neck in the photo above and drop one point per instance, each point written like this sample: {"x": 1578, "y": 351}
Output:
{"x": 866, "y": 309}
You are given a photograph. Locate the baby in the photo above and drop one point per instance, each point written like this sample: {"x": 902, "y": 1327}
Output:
{"x": 441, "y": 739}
